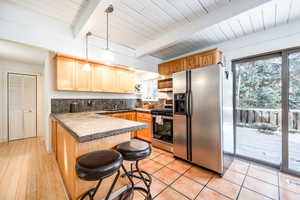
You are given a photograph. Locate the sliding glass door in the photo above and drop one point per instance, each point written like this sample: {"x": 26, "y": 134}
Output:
{"x": 267, "y": 109}
{"x": 258, "y": 105}
{"x": 294, "y": 111}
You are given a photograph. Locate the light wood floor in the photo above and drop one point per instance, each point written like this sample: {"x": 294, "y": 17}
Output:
{"x": 27, "y": 171}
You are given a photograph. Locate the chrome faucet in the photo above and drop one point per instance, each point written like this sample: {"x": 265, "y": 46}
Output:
{"x": 116, "y": 107}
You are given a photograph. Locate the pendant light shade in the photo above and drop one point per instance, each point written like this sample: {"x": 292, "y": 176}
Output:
{"x": 87, "y": 67}
{"x": 108, "y": 56}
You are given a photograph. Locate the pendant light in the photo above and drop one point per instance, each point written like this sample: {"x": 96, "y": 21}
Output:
{"x": 108, "y": 56}
{"x": 87, "y": 66}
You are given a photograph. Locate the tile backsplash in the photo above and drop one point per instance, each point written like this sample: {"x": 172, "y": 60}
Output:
{"x": 63, "y": 105}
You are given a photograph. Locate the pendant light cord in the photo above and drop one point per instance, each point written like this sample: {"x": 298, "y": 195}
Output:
{"x": 86, "y": 45}
{"x": 106, "y": 30}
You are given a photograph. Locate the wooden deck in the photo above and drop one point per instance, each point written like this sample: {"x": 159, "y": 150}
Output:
{"x": 264, "y": 147}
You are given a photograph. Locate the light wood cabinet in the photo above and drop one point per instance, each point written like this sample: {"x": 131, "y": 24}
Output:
{"x": 109, "y": 79}
{"x": 97, "y": 78}
{"x": 54, "y": 137}
{"x": 210, "y": 57}
{"x": 65, "y": 73}
{"x": 72, "y": 77}
{"x": 145, "y": 134}
{"x": 69, "y": 149}
{"x": 125, "y": 81}
{"x": 83, "y": 77}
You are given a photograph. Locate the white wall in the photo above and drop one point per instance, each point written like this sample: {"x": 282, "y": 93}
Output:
{"x": 7, "y": 66}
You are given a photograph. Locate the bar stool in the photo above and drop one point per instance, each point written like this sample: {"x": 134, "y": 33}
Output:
{"x": 96, "y": 166}
{"x": 134, "y": 151}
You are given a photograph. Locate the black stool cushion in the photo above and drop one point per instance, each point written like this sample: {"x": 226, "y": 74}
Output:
{"x": 98, "y": 165}
{"x": 134, "y": 150}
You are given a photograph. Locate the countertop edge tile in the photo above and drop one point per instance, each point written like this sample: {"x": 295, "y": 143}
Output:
{"x": 95, "y": 115}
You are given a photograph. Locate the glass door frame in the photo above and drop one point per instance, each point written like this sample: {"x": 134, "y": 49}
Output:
{"x": 284, "y": 166}
{"x": 285, "y": 111}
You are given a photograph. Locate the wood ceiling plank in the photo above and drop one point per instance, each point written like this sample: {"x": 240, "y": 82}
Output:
{"x": 234, "y": 8}
{"x": 139, "y": 16}
{"x": 256, "y": 20}
{"x": 295, "y": 10}
{"x": 171, "y": 10}
{"x": 245, "y": 23}
{"x": 49, "y": 9}
{"x": 227, "y": 30}
{"x": 195, "y": 7}
{"x": 283, "y": 9}
{"x": 183, "y": 9}
{"x": 269, "y": 16}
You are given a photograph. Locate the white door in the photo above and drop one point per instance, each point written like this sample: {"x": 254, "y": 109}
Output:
{"x": 22, "y": 106}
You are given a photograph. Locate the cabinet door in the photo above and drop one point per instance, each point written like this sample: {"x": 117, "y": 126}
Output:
{"x": 208, "y": 60}
{"x": 65, "y": 69}
{"x": 117, "y": 115}
{"x": 109, "y": 79}
{"x": 125, "y": 81}
{"x": 121, "y": 81}
{"x": 83, "y": 77}
{"x": 97, "y": 75}
{"x": 163, "y": 69}
{"x": 145, "y": 134}
{"x": 54, "y": 137}
{"x": 131, "y": 80}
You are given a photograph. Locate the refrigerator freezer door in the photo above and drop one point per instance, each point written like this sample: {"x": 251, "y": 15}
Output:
{"x": 180, "y": 136}
{"x": 179, "y": 118}
{"x": 206, "y": 118}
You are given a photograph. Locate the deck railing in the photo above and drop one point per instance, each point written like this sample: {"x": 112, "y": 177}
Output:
{"x": 248, "y": 116}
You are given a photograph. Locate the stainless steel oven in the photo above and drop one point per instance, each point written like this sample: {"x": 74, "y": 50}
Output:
{"x": 163, "y": 128}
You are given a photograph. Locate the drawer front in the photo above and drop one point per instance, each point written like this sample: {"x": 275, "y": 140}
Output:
{"x": 143, "y": 115}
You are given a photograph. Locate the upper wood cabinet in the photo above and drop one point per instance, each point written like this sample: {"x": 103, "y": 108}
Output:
{"x": 65, "y": 73}
{"x": 109, "y": 79}
{"x": 126, "y": 81}
{"x": 202, "y": 59}
{"x": 97, "y": 78}
{"x": 71, "y": 76}
{"x": 83, "y": 77}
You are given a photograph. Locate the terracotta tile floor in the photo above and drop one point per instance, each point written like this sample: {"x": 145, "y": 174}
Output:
{"x": 179, "y": 180}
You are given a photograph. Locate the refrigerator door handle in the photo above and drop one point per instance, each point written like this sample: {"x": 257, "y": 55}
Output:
{"x": 187, "y": 104}
{"x": 191, "y": 103}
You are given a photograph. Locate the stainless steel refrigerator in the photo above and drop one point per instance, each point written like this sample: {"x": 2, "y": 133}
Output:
{"x": 203, "y": 115}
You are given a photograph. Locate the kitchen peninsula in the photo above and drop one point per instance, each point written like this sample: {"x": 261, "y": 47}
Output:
{"x": 75, "y": 134}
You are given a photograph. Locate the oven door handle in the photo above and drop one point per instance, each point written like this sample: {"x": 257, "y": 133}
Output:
{"x": 163, "y": 117}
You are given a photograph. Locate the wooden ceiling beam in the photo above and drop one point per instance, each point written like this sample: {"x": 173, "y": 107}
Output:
{"x": 85, "y": 18}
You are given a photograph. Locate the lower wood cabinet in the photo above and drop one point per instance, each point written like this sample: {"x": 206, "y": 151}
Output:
{"x": 144, "y": 134}
{"x": 54, "y": 137}
{"x": 68, "y": 149}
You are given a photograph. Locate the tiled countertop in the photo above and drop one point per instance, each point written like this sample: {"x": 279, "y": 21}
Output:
{"x": 87, "y": 126}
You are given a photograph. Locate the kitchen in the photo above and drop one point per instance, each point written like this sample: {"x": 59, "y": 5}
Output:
{"x": 138, "y": 100}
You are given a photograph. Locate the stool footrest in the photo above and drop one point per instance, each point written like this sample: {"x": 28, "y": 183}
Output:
{"x": 131, "y": 174}
{"x": 129, "y": 191}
